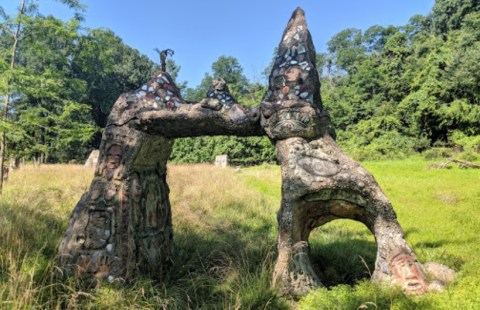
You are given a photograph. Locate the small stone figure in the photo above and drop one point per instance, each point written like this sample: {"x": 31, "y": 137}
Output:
{"x": 163, "y": 57}
{"x": 218, "y": 94}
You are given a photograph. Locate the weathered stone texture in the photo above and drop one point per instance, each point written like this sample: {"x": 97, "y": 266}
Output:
{"x": 123, "y": 225}
{"x": 319, "y": 182}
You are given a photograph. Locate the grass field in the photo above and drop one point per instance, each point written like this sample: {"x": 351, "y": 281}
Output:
{"x": 225, "y": 234}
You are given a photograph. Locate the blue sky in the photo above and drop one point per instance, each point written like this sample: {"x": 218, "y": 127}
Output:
{"x": 201, "y": 31}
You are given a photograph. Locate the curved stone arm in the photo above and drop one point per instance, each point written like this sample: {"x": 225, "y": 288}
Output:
{"x": 157, "y": 108}
{"x": 193, "y": 120}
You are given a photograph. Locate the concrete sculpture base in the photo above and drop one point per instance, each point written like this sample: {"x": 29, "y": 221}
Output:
{"x": 321, "y": 184}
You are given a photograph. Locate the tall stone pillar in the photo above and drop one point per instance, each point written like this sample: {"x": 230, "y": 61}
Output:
{"x": 319, "y": 182}
{"x": 122, "y": 226}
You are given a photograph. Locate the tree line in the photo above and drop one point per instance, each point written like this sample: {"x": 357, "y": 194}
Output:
{"x": 58, "y": 82}
{"x": 391, "y": 90}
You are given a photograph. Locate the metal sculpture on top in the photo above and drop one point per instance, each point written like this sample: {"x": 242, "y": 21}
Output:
{"x": 163, "y": 57}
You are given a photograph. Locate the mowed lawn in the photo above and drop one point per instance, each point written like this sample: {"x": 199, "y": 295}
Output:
{"x": 225, "y": 234}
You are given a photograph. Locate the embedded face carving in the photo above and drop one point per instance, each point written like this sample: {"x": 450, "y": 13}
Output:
{"x": 110, "y": 192}
{"x": 292, "y": 74}
{"x": 406, "y": 271}
{"x": 98, "y": 232}
{"x": 151, "y": 205}
{"x": 136, "y": 188}
{"x": 292, "y": 105}
{"x": 290, "y": 122}
{"x": 296, "y": 120}
{"x": 114, "y": 157}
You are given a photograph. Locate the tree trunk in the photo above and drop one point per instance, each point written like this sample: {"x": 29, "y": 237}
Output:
{"x": 461, "y": 163}
{"x": 3, "y": 138}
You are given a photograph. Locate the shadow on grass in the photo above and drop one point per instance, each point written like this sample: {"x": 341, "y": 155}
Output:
{"x": 224, "y": 264}
{"x": 409, "y": 231}
{"x": 346, "y": 261}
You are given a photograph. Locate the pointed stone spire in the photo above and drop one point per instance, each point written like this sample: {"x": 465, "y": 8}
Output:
{"x": 292, "y": 105}
{"x": 294, "y": 76}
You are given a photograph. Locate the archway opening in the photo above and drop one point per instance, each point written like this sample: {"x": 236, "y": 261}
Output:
{"x": 342, "y": 252}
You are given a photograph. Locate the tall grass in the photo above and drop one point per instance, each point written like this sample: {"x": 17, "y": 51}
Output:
{"x": 34, "y": 210}
{"x": 225, "y": 235}
{"x": 224, "y": 243}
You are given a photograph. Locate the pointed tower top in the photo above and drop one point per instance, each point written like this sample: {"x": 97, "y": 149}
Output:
{"x": 298, "y": 17}
{"x": 299, "y": 12}
{"x": 292, "y": 105}
{"x": 296, "y": 24}
{"x": 294, "y": 75}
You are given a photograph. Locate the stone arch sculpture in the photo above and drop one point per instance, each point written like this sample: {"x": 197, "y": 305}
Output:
{"x": 123, "y": 226}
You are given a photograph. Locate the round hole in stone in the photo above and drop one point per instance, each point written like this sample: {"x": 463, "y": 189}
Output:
{"x": 342, "y": 252}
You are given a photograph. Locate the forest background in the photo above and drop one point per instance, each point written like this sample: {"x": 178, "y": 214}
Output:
{"x": 391, "y": 91}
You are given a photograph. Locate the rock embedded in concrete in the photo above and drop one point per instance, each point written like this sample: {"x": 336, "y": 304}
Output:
{"x": 218, "y": 95}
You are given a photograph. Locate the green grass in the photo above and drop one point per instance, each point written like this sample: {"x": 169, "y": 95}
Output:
{"x": 225, "y": 234}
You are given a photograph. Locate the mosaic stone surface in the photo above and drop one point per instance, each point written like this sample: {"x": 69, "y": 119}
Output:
{"x": 122, "y": 226}
{"x": 291, "y": 76}
{"x": 219, "y": 90}
{"x": 292, "y": 105}
{"x": 319, "y": 182}
{"x": 158, "y": 93}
